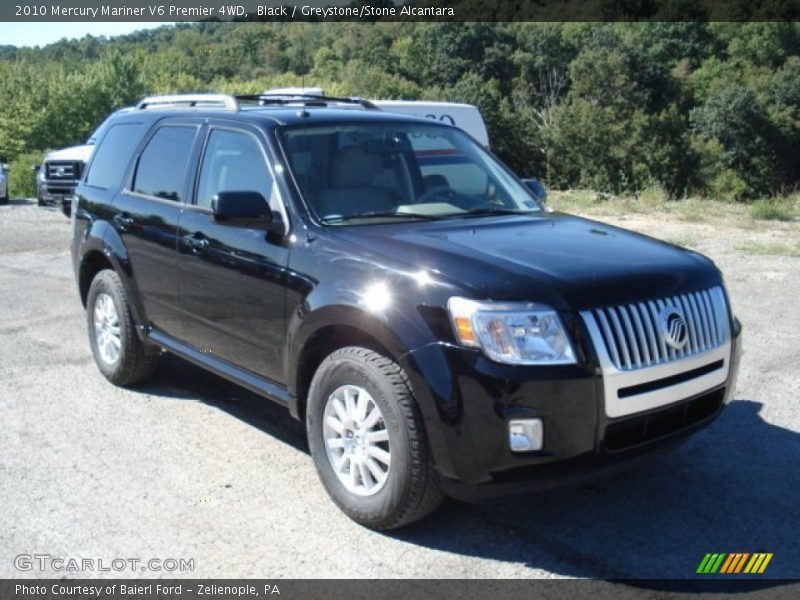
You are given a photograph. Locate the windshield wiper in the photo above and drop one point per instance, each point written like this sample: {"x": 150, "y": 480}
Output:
{"x": 490, "y": 210}
{"x": 378, "y": 215}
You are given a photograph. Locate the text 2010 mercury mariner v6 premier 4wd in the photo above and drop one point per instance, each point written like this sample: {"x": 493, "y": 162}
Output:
{"x": 399, "y": 289}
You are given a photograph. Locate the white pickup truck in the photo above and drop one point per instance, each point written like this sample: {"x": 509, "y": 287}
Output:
{"x": 59, "y": 174}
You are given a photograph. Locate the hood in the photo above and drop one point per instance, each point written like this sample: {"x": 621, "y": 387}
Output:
{"x": 79, "y": 153}
{"x": 568, "y": 262}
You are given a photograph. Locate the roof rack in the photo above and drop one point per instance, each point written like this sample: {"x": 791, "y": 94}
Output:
{"x": 229, "y": 102}
{"x": 283, "y": 98}
{"x": 224, "y": 101}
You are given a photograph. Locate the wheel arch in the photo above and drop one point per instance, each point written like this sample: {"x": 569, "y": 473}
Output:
{"x": 321, "y": 343}
{"x": 92, "y": 263}
{"x": 104, "y": 249}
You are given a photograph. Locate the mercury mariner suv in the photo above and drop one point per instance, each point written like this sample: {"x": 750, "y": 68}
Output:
{"x": 398, "y": 289}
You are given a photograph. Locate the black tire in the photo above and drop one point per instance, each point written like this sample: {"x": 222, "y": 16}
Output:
{"x": 40, "y": 202}
{"x": 412, "y": 489}
{"x": 137, "y": 361}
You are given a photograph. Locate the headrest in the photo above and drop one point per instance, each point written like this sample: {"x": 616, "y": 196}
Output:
{"x": 353, "y": 167}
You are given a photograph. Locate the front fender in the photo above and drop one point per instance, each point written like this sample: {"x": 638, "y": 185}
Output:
{"x": 400, "y": 343}
{"x": 305, "y": 324}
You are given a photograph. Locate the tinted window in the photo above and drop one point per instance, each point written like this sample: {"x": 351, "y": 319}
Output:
{"x": 162, "y": 166}
{"x": 376, "y": 171}
{"x": 443, "y": 164}
{"x": 233, "y": 162}
{"x": 113, "y": 155}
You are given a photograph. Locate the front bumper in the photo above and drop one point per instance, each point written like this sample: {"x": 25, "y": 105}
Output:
{"x": 59, "y": 194}
{"x": 467, "y": 401}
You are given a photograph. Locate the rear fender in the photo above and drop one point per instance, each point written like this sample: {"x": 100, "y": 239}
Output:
{"x": 103, "y": 238}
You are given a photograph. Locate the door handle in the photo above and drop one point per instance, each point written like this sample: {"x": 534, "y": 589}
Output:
{"x": 196, "y": 241}
{"x": 124, "y": 221}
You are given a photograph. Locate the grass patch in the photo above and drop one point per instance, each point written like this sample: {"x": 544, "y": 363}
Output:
{"x": 759, "y": 249}
{"x": 572, "y": 200}
{"x": 599, "y": 203}
{"x": 773, "y": 209}
{"x": 693, "y": 211}
{"x": 653, "y": 201}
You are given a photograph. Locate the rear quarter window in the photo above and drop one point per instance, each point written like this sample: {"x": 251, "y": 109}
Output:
{"x": 113, "y": 155}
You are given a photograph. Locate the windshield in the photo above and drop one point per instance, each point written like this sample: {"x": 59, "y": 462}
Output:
{"x": 368, "y": 172}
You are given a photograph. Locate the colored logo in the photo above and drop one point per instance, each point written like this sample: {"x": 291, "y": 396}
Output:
{"x": 673, "y": 327}
{"x": 734, "y": 562}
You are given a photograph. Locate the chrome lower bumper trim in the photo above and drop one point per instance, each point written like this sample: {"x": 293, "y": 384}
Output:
{"x": 615, "y": 379}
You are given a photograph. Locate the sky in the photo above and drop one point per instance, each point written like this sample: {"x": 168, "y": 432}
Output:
{"x": 41, "y": 34}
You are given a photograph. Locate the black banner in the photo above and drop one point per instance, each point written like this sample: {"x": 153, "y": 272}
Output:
{"x": 401, "y": 10}
{"x": 460, "y": 589}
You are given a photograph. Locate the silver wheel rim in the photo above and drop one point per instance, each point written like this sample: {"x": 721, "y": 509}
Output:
{"x": 106, "y": 329}
{"x": 356, "y": 440}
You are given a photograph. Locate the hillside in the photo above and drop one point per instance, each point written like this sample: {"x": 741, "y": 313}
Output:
{"x": 692, "y": 108}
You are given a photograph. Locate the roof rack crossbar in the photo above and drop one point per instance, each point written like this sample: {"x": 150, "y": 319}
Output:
{"x": 190, "y": 101}
{"x": 305, "y": 99}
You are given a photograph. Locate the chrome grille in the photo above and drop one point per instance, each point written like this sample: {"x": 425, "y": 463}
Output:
{"x": 62, "y": 170}
{"x": 633, "y": 333}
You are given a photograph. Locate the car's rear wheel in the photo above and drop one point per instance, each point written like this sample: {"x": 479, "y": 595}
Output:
{"x": 368, "y": 442}
{"x": 119, "y": 353}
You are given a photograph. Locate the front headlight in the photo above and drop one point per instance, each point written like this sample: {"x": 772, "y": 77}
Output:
{"x": 512, "y": 333}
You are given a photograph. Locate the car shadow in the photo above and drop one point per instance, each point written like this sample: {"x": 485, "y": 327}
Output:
{"x": 733, "y": 487}
{"x": 180, "y": 379}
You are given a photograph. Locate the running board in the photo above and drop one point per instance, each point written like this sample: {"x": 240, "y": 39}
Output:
{"x": 259, "y": 385}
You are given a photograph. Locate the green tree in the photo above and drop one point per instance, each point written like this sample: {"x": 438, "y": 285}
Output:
{"x": 734, "y": 119}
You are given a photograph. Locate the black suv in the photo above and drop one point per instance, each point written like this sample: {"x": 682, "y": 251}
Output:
{"x": 397, "y": 288}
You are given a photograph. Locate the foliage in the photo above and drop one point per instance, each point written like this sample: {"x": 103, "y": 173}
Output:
{"x": 682, "y": 108}
{"x": 773, "y": 209}
{"x": 21, "y": 179}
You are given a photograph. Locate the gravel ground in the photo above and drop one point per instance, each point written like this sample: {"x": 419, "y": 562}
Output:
{"x": 191, "y": 466}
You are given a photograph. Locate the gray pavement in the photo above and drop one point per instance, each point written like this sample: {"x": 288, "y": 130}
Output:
{"x": 192, "y": 467}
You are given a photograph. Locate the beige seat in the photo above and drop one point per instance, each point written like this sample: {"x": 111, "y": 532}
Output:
{"x": 352, "y": 191}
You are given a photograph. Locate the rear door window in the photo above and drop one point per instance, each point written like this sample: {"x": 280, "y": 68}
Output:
{"x": 161, "y": 171}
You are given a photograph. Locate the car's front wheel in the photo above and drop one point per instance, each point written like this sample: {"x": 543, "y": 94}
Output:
{"x": 368, "y": 442}
{"x": 119, "y": 353}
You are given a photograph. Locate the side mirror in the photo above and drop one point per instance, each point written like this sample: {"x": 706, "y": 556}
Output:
{"x": 36, "y": 168}
{"x": 536, "y": 188}
{"x": 243, "y": 209}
